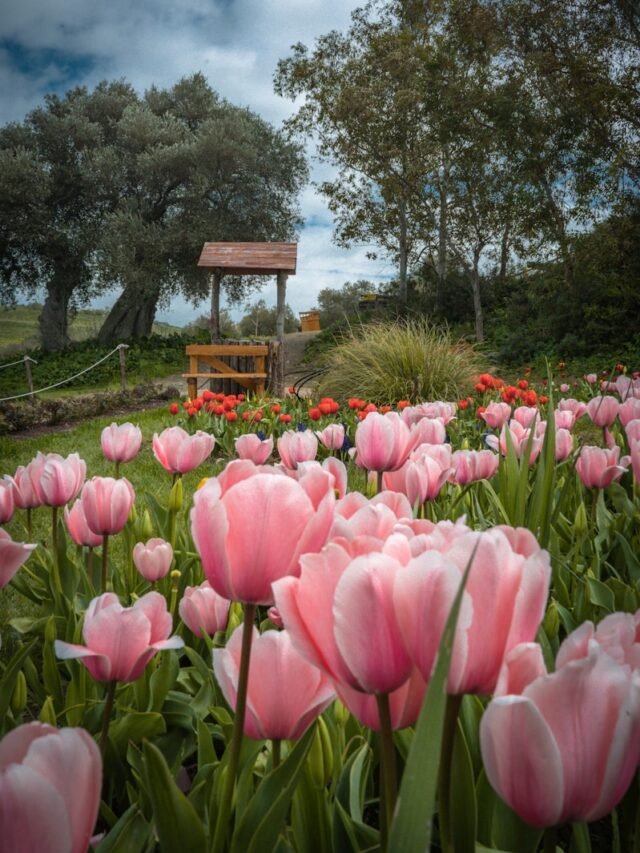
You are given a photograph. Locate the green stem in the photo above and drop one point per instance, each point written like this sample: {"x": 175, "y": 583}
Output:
{"x": 388, "y": 784}
{"x": 54, "y": 544}
{"x": 636, "y": 838}
{"x": 106, "y": 718}
{"x": 105, "y": 552}
{"x": 276, "y": 744}
{"x": 29, "y": 523}
{"x": 117, "y": 466}
{"x": 224, "y": 812}
{"x": 378, "y": 482}
{"x": 549, "y": 840}
{"x": 446, "y": 756}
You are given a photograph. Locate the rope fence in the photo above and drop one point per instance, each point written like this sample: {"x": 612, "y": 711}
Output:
{"x": 121, "y": 349}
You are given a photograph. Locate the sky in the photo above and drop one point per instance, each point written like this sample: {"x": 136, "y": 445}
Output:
{"x": 53, "y": 45}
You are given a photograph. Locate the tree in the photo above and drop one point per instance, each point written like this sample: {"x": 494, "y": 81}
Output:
{"x": 340, "y": 305}
{"x": 260, "y": 321}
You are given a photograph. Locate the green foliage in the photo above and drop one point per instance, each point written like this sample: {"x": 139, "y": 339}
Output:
{"x": 413, "y": 361}
{"x": 260, "y": 321}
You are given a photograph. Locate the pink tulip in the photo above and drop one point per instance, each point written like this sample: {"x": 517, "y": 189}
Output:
{"x": 202, "y": 609}
{"x": 420, "y": 478}
{"x": 564, "y": 419}
{"x": 282, "y": 706}
{"x": 564, "y": 388}
{"x": 635, "y": 459}
{"x": 437, "y": 409}
{"x": 332, "y": 436}
{"x": 121, "y": 443}
{"x": 525, "y": 415}
{"x": 153, "y": 559}
{"x": 591, "y": 378}
{"x": 496, "y": 414}
{"x": 519, "y": 439}
{"x": 567, "y": 746}
{"x": 121, "y": 641}
{"x": 629, "y": 411}
{"x": 50, "y": 782}
{"x": 577, "y": 407}
{"x": 598, "y": 467}
{"x": 618, "y": 634}
{"x": 428, "y": 431}
{"x": 626, "y": 387}
{"x": 469, "y": 466}
{"x": 632, "y": 430}
{"x": 564, "y": 444}
{"x": 25, "y": 493}
{"x": 404, "y": 703}
{"x": 251, "y": 446}
{"x": 178, "y": 452}
{"x": 603, "y": 410}
{"x": 107, "y": 503}
{"x": 383, "y": 442}
{"x": 7, "y": 504}
{"x": 61, "y": 479}
{"x": 12, "y": 556}
{"x": 78, "y": 528}
{"x": 255, "y": 531}
{"x": 295, "y": 447}
{"x": 338, "y": 471}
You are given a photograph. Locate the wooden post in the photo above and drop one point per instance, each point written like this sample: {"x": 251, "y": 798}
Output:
{"x": 27, "y": 367}
{"x": 123, "y": 372}
{"x": 216, "y": 279}
{"x": 281, "y": 301}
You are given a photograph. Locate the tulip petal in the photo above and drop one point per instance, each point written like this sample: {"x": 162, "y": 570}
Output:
{"x": 32, "y": 813}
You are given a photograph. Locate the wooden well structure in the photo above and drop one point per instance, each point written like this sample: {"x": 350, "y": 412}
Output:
{"x": 277, "y": 259}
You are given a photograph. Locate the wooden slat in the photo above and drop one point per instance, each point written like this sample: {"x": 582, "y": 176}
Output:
{"x": 233, "y": 375}
{"x": 250, "y": 258}
{"x": 227, "y": 349}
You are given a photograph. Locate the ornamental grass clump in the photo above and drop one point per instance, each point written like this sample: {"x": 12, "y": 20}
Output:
{"x": 410, "y": 360}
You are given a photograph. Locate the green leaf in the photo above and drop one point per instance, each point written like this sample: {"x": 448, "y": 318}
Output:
{"x": 349, "y": 832}
{"x": 601, "y": 595}
{"x": 464, "y": 809}
{"x": 135, "y": 726}
{"x": 264, "y": 816}
{"x": 9, "y": 677}
{"x": 580, "y": 839}
{"x": 162, "y": 680}
{"x": 130, "y": 834}
{"x": 412, "y": 823}
{"x": 177, "y": 824}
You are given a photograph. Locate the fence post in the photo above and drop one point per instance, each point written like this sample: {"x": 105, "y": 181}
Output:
{"x": 123, "y": 373}
{"x": 27, "y": 367}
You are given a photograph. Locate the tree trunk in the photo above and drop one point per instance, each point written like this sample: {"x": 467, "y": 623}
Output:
{"x": 132, "y": 315}
{"x": 477, "y": 304}
{"x": 54, "y": 323}
{"x": 443, "y": 235}
{"x": 404, "y": 257}
{"x": 504, "y": 253}
{"x": 281, "y": 302}
{"x": 216, "y": 279}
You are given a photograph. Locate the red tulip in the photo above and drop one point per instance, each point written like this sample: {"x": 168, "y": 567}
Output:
{"x": 153, "y": 559}
{"x": 121, "y": 443}
{"x": 50, "y": 782}
{"x": 282, "y": 706}
{"x": 178, "y": 452}
{"x": 107, "y": 503}
{"x": 121, "y": 641}
{"x": 201, "y": 608}
{"x": 12, "y": 556}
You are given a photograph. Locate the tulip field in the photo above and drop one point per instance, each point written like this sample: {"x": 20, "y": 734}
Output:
{"x": 327, "y": 625}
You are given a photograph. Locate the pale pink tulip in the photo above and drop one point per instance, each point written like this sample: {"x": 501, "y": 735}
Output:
{"x": 383, "y": 442}
{"x": 254, "y": 448}
{"x": 7, "y": 504}
{"x": 283, "y": 705}
{"x": 564, "y": 388}
{"x": 564, "y": 444}
{"x": 61, "y": 479}
{"x": 437, "y": 409}
{"x": 338, "y": 471}
{"x": 50, "y": 782}
{"x": 496, "y": 414}
{"x": 106, "y": 504}
{"x": 428, "y": 431}
{"x": 598, "y": 467}
{"x": 627, "y": 387}
{"x": 202, "y": 609}
{"x": 469, "y": 466}
{"x": 632, "y": 430}
{"x": 525, "y": 415}
{"x": 591, "y": 378}
{"x": 420, "y": 478}
{"x": 121, "y": 641}
{"x": 25, "y": 494}
{"x": 12, "y": 556}
{"x": 332, "y": 436}
{"x": 153, "y": 559}
{"x": 295, "y": 447}
{"x": 629, "y": 411}
{"x": 577, "y": 407}
{"x": 635, "y": 459}
{"x": 618, "y": 634}
{"x": 78, "y": 528}
{"x": 255, "y": 531}
{"x": 603, "y": 410}
{"x": 519, "y": 438}
{"x": 121, "y": 443}
{"x": 564, "y": 419}
{"x": 567, "y": 746}
{"x": 404, "y": 703}
{"x": 178, "y": 452}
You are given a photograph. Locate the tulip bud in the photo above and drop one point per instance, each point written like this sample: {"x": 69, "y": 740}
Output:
{"x": 580, "y": 523}
{"x": 19, "y": 695}
{"x": 235, "y": 618}
{"x": 175, "y": 497}
{"x": 48, "y": 712}
{"x": 317, "y": 770}
{"x": 341, "y": 713}
{"x": 146, "y": 528}
{"x": 551, "y": 621}
{"x": 50, "y": 632}
{"x": 133, "y": 515}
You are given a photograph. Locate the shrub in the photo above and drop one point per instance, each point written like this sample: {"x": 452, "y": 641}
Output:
{"x": 410, "y": 360}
